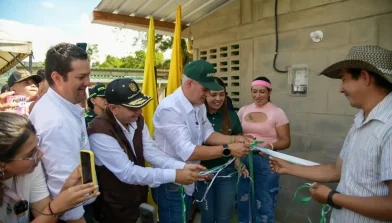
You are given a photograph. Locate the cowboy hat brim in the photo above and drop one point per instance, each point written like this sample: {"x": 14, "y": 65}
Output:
{"x": 334, "y": 71}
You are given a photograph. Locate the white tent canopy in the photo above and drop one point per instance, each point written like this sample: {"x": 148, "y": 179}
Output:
{"x": 11, "y": 52}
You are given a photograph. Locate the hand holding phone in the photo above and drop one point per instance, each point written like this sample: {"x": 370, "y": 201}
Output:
{"x": 88, "y": 167}
{"x": 20, "y": 100}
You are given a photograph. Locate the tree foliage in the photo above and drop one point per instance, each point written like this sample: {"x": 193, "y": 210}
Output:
{"x": 163, "y": 43}
{"x": 133, "y": 61}
{"x": 92, "y": 52}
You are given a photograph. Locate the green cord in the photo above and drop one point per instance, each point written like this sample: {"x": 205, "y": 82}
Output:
{"x": 183, "y": 194}
{"x": 305, "y": 201}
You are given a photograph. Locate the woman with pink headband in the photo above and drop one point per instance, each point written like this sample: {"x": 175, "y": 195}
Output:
{"x": 268, "y": 123}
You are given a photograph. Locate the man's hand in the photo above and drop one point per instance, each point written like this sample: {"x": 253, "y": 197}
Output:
{"x": 320, "y": 192}
{"x": 187, "y": 176}
{"x": 244, "y": 139}
{"x": 279, "y": 166}
{"x": 194, "y": 167}
{"x": 3, "y": 105}
{"x": 239, "y": 149}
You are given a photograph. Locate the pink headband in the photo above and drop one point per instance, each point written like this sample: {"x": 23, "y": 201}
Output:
{"x": 263, "y": 83}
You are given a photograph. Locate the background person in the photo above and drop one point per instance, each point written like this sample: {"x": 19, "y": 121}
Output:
{"x": 96, "y": 102}
{"x": 268, "y": 123}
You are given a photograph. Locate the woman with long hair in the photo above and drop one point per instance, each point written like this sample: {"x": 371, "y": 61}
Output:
{"x": 22, "y": 179}
{"x": 219, "y": 200}
{"x": 268, "y": 123}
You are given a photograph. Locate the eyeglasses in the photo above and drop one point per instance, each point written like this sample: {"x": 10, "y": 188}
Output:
{"x": 33, "y": 157}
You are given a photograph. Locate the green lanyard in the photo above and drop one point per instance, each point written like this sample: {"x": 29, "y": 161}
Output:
{"x": 305, "y": 201}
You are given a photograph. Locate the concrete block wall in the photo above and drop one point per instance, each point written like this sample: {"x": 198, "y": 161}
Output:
{"x": 320, "y": 121}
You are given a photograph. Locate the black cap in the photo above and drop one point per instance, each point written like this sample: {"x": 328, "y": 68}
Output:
{"x": 127, "y": 93}
{"x": 21, "y": 75}
{"x": 5, "y": 88}
{"x": 97, "y": 91}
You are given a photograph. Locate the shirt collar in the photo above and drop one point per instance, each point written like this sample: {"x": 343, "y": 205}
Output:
{"x": 215, "y": 113}
{"x": 74, "y": 108}
{"x": 184, "y": 101}
{"x": 131, "y": 125}
{"x": 381, "y": 112}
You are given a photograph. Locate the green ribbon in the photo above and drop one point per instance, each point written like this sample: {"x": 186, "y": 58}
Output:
{"x": 183, "y": 194}
{"x": 305, "y": 201}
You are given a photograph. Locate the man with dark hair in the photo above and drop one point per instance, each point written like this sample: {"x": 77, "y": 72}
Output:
{"x": 364, "y": 166}
{"x": 59, "y": 119}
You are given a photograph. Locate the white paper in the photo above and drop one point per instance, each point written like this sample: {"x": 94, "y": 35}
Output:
{"x": 288, "y": 158}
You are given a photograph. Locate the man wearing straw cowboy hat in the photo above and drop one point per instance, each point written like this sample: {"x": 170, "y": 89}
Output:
{"x": 364, "y": 166}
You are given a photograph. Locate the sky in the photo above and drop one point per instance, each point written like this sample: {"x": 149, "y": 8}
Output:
{"x": 46, "y": 23}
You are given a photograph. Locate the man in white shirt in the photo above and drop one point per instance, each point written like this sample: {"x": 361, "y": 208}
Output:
{"x": 59, "y": 120}
{"x": 181, "y": 129}
{"x": 121, "y": 143}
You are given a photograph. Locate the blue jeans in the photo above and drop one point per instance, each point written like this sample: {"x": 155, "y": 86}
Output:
{"x": 220, "y": 198}
{"x": 266, "y": 192}
{"x": 168, "y": 199}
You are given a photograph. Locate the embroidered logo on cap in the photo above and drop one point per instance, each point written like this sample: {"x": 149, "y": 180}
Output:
{"x": 133, "y": 87}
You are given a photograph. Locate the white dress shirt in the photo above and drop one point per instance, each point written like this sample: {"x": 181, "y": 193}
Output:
{"x": 109, "y": 153}
{"x": 180, "y": 127}
{"x": 62, "y": 133}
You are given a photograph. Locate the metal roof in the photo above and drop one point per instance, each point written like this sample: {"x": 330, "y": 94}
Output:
{"x": 11, "y": 52}
{"x": 134, "y": 14}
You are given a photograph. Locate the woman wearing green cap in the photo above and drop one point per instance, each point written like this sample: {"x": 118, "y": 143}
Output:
{"x": 96, "y": 103}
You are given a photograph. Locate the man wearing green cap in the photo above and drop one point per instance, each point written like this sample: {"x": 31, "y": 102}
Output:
{"x": 183, "y": 131}
{"x": 96, "y": 102}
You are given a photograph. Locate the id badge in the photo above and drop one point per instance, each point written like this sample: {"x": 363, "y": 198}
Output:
{"x": 22, "y": 218}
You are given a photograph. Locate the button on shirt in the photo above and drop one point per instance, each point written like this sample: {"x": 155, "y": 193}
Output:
{"x": 180, "y": 127}
{"x": 367, "y": 159}
{"x": 109, "y": 153}
{"x": 62, "y": 134}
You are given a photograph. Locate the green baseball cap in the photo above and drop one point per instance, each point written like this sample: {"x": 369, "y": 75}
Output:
{"x": 97, "y": 91}
{"x": 204, "y": 73}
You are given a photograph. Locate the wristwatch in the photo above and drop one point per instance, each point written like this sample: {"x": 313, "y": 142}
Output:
{"x": 226, "y": 151}
{"x": 329, "y": 200}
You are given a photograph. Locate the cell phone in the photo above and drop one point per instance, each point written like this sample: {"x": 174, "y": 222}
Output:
{"x": 147, "y": 213}
{"x": 21, "y": 100}
{"x": 82, "y": 45}
{"x": 88, "y": 167}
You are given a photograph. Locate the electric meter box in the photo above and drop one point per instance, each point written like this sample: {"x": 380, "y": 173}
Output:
{"x": 298, "y": 80}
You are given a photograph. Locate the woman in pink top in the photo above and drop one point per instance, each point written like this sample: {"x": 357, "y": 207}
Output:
{"x": 268, "y": 123}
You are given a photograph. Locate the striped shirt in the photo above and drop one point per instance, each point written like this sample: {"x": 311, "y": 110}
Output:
{"x": 367, "y": 159}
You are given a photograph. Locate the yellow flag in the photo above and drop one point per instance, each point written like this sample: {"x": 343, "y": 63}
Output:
{"x": 176, "y": 67}
{"x": 149, "y": 81}
{"x": 150, "y": 88}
